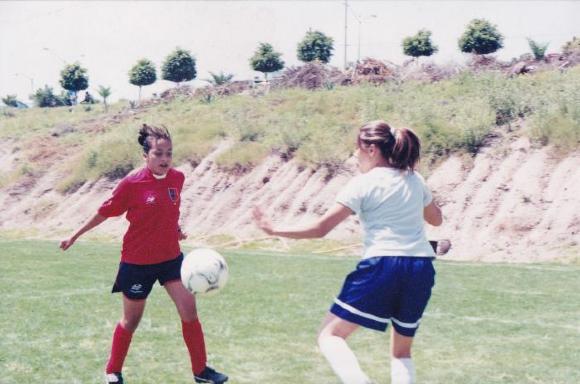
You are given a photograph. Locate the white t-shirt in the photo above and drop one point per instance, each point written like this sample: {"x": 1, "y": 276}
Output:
{"x": 390, "y": 204}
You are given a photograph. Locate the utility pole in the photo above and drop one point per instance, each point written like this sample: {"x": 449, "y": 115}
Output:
{"x": 345, "y": 31}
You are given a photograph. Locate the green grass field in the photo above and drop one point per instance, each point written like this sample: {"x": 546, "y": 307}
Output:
{"x": 486, "y": 323}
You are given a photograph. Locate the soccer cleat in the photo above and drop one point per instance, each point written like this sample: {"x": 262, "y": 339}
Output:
{"x": 114, "y": 378}
{"x": 211, "y": 376}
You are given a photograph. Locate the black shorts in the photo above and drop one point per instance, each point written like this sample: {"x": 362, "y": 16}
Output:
{"x": 136, "y": 281}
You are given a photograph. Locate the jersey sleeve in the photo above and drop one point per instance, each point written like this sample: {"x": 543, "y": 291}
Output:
{"x": 118, "y": 203}
{"x": 351, "y": 195}
{"x": 427, "y": 195}
{"x": 181, "y": 181}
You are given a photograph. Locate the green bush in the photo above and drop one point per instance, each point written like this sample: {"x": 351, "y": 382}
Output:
{"x": 143, "y": 73}
{"x": 481, "y": 37}
{"x": 74, "y": 78}
{"x": 179, "y": 66}
{"x": 266, "y": 60}
{"x": 315, "y": 46}
{"x": 419, "y": 45}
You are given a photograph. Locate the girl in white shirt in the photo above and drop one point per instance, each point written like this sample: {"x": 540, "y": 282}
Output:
{"x": 392, "y": 283}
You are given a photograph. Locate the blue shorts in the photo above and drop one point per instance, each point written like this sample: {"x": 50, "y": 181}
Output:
{"x": 387, "y": 289}
{"x": 136, "y": 281}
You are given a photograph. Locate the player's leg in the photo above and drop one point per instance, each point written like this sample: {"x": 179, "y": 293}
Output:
{"x": 135, "y": 282}
{"x": 419, "y": 278}
{"x": 402, "y": 367}
{"x": 361, "y": 302}
{"x": 332, "y": 343}
{"x": 132, "y": 313}
{"x": 190, "y": 325}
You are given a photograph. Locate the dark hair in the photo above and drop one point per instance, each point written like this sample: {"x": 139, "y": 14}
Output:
{"x": 148, "y": 133}
{"x": 400, "y": 147}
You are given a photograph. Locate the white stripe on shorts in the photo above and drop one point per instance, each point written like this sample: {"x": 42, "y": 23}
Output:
{"x": 352, "y": 309}
{"x": 406, "y": 325}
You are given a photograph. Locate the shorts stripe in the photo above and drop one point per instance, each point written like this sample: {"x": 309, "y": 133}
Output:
{"x": 355, "y": 311}
{"x": 406, "y": 325}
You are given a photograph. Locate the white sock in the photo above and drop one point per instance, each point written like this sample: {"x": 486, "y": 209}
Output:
{"x": 402, "y": 371}
{"x": 342, "y": 360}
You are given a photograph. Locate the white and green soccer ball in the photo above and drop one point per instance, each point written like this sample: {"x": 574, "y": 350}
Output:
{"x": 204, "y": 270}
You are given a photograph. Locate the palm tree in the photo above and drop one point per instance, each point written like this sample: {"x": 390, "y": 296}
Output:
{"x": 220, "y": 78}
{"x": 105, "y": 92}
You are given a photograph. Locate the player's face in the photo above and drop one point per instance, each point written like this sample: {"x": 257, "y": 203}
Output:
{"x": 364, "y": 159}
{"x": 160, "y": 156}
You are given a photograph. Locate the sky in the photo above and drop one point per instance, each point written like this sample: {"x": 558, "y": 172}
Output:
{"x": 37, "y": 38}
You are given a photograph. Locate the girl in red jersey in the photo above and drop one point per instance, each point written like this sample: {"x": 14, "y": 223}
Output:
{"x": 151, "y": 252}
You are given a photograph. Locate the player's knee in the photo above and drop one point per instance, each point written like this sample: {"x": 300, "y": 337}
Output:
{"x": 130, "y": 323}
{"x": 187, "y": 316}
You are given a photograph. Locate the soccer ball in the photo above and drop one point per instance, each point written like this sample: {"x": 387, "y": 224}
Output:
{"x": 204, "y": 270}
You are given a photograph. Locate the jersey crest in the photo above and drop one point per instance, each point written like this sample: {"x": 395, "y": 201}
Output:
{"x": 172, "y": 194}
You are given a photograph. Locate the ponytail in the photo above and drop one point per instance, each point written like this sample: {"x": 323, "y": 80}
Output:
{"x": 406, "y": 150}
{"x": 400, "y": 147}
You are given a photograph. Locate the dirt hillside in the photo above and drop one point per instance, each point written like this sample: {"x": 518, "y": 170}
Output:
{"x": 512, "y": 202}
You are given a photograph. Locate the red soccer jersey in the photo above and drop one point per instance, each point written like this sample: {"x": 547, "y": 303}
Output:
{"x": 152, "y": 207}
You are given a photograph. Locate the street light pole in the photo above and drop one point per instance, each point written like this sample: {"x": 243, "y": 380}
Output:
{"x": 345, "y": 30}
{"x": 360, "y": 21}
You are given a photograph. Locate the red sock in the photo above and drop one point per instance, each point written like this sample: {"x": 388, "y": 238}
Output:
{"x": 121, "y": 342}
{"x": 193, "y": 337}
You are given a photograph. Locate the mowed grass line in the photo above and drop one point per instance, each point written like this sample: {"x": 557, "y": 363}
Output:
{"x": 486, "y": 323}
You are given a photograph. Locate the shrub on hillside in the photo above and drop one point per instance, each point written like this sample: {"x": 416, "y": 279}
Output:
{"x": 179, "y": 66}
{"x": 143, "y": 73}
{"x": 538, "y": 49}
{"x": 266, "y": 60}
{"x": 74, "y": 78}
{"x": 315, "y": 46}
{"x": 45, "y": 97}
{"x": 419, "y": 44}
{"x": 480, "y": 38}
{"x": 10, "y": 101}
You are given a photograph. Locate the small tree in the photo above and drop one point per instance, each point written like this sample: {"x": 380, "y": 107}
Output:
{"x": 266, "y": 60}
{"x": 179, "y": 66}
{"x": 419, "y": 45}
{"x": 74, "y": 78}
{"x": 10, "y": 101}
{"x": 220, "y": 78}
{"x": 480, "y": 38}
{"x": 142, "y": 73}
{"x": 315, "y": 46}
{"x": 538, "y": 49}
{"x": 104, "y": 92}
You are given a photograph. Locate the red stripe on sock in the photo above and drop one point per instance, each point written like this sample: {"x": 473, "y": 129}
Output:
{"x": 194, "y": 340}
{"x": 119, "y": 349}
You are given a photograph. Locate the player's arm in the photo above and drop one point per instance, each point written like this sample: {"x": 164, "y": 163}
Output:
{"x": 319, "y": 228}
{"x": 92, "y": 223}
{"x": 432, "y": 214}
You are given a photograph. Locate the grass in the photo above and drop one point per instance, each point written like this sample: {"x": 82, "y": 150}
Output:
{"x": 486, "y": 323}
{"x": 317, "y": 127}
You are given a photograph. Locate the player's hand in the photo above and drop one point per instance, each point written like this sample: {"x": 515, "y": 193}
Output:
{"x": 262, "y": 221}
{"x": 66, "y": 244}
{"x": 182, "y": 235}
